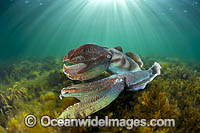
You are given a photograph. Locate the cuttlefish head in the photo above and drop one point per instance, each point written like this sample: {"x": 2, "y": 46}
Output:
{"x": 89, "y": 61}
{"x": 86, "y": 53}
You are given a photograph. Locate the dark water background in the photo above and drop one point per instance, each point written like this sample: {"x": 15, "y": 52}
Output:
{"x": 52, "y": 27}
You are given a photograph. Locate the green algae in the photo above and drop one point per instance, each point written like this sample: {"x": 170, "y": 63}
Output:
{"x": 32, "y": 86}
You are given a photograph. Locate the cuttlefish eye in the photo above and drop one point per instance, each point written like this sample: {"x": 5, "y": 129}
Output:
{"x": 108, "y": 56}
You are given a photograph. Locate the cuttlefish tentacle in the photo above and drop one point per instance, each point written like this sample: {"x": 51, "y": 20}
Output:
{"x": 98, "y": 94}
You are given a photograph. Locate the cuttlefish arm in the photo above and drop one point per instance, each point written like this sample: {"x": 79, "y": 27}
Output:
{"x": 98, "y": 94}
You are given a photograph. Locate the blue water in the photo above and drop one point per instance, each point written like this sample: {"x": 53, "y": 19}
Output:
{"x": 169, "y": 28}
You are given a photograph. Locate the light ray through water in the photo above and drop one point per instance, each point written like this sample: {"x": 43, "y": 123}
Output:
{"x": 147, "y": 27}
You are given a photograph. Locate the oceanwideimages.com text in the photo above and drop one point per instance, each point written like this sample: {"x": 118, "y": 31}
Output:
{"x": 47, "y": 121}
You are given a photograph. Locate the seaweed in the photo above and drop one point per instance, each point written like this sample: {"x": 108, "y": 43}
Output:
{"x": 154, "y": 104}
{"x": 8, "y": 99}
{"x": 32, "y": 86}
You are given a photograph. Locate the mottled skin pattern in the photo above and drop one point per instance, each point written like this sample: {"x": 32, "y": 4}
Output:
{"x": 90, "y": 61}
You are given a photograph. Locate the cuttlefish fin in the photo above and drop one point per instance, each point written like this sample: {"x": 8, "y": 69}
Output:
{"x": 153, "y": 72}
{"x": 119, "y": 48}
{"x": 135, "y": 57}
{"x": 94, "y": 102}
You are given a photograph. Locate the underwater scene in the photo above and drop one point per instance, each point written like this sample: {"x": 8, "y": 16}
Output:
{"x": 128, "y": 61}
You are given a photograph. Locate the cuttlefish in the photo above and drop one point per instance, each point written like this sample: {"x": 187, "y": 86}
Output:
{"x": 90, "y": 61}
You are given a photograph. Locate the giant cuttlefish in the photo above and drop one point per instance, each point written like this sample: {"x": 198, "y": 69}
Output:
{"x": 91, "y": 60}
